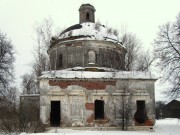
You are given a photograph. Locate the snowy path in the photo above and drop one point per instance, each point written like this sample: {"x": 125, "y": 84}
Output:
{"x": 162, "y": 127}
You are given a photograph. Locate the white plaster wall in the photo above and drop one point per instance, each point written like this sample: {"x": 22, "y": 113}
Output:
{"x": 73, "y": 99}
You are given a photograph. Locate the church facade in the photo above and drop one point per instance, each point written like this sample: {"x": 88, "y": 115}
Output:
{"x": 88, "y": 86}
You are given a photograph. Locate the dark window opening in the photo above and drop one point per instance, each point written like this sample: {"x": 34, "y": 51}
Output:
{"x": 96, "y": 59}
{"x": 51, "y": 61}
{"x": 60, "y": 61}
{"x": 99, "y": 109}
{"x": 87, "y": 16}
{"x": 55, "y": 113}
{"x": 140, "y": 115}
{"x": 140, "y": 105}
{"x": 52, "y": 58}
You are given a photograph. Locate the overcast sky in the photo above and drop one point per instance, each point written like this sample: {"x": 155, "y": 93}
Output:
{"x": 142, "y": 17}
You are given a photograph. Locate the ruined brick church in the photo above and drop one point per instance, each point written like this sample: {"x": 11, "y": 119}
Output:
{"x": 87, "y": 85}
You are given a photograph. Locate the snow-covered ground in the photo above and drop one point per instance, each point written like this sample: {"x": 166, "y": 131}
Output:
{"x": 168, "y": 126}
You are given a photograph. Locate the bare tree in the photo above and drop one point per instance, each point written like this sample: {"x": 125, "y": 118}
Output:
{"x": 8, "y": 94}
{"x": 144, "y": 61}
{"x": 11, "y": 98}
{"x": 133, "y": 47}
{"x": 136, "y": 58}
{"x": 29, "y": 84}
{"x": 167, "y": 54}
{"x": 158, "y": 107}
{"x": 126, "y": 105}
{"x": 8, "y": 111}
{"x": 29, "y": 120}
{"x": 43, "y": 34}
{"x": 6, "y": 63}
{"x": 23, "y": 117}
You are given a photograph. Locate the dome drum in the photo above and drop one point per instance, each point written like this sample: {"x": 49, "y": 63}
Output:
{"x": 87, "y": 54}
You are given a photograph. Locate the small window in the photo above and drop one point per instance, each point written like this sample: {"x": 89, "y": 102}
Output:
{"x": 87, "y": 16}
{"x": 92, "y": 57}
{"x": 52, "y": 60}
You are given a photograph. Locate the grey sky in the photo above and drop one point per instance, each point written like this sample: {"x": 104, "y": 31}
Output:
{"x": 141, "y": 17}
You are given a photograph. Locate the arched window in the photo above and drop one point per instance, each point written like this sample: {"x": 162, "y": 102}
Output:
{"x": 87, "y": 16}
{"x": 60, "y": 61}
{"x": 92, "y": 57}
{"x": 52, "y": 60}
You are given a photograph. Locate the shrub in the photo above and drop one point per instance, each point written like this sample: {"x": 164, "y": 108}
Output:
{"x": 115, "y": 32}
{"x": 109, "y": 30}
{"x": 97, "y": 26}
{"x": 25, "y": 120}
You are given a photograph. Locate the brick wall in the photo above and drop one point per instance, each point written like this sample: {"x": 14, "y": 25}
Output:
{"x": 89, "y": 85}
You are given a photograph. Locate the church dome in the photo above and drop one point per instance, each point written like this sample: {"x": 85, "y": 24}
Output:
{"x": 88, "y": 44}
{"x": 89, "y": 31}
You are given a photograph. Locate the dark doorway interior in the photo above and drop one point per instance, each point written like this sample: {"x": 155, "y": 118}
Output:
{"x": 55, "y": 113}
{"x": 99, "y": 109}
{"x": 140, "y": 115}
{"x": 140, "y": 105}
{"x": 87, "y": 16}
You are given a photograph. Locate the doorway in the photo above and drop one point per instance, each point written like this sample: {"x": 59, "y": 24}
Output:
{"x": 140, "y": 105}
{"x": 99, "y": 109}
{"x": 55, "y": 113}
{"x": 141, "y": 114}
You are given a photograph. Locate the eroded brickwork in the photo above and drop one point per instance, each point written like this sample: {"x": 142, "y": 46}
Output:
{"x": 89, "y": 106}
{"x": 89, "y": 85}
{"x": 78, "y": 96}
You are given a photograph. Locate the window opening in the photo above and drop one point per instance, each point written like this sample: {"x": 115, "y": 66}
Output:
{"x": 141, "y": 114}
{"x": 99, "y": 109}
{"x": 92, "y": 57}
{"x": 87, "y": 16}
{"x": 140, "y": 105}
{"x": 52, "y": 60}
{"x": 60, "y": 61}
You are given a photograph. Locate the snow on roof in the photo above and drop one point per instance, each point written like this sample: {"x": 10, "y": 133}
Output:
{"x": 84, "y": 68}
{"x": 65, "y": 74}
{"x": 90, "y": 31}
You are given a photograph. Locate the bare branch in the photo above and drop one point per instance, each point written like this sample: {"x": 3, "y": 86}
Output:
{"x": 167, "y": 52}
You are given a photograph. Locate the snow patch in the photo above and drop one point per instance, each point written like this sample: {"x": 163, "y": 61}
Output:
{"x": 106, "y": 75}
{"x": 89, "y": 32}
